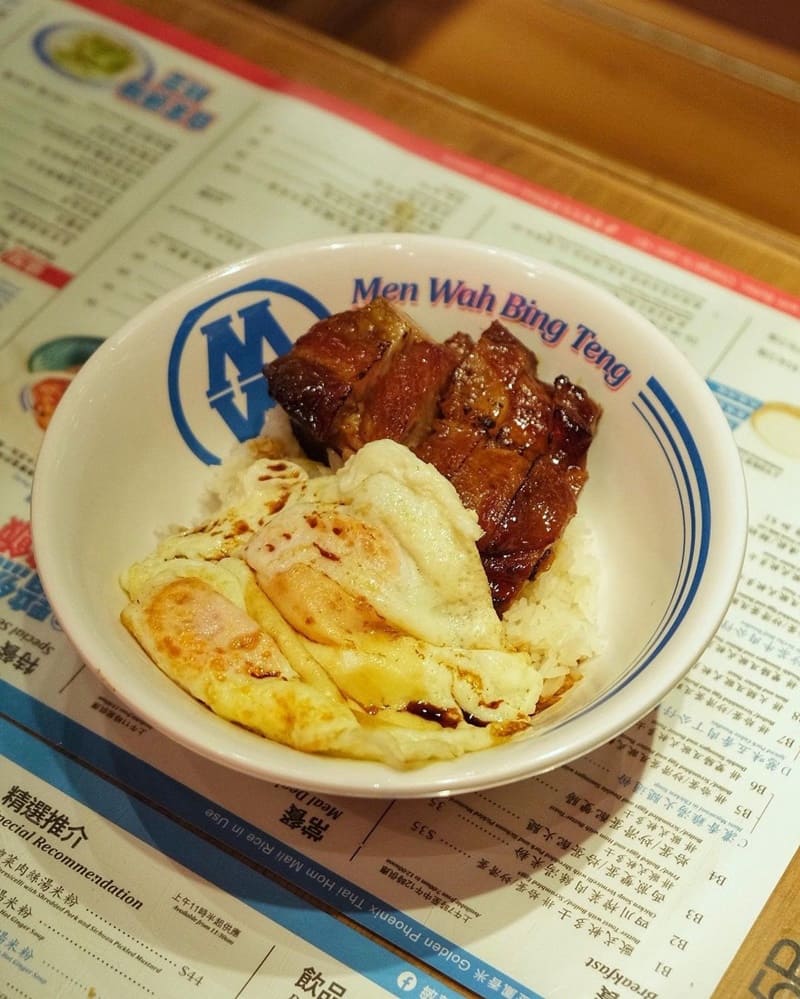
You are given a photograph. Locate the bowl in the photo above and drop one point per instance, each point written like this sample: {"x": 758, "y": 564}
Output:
{"x": 129, "y": 450}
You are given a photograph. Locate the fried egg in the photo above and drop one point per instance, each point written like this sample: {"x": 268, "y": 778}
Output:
{"x": 340, "y": 612}
{"x": 384, "y": 543}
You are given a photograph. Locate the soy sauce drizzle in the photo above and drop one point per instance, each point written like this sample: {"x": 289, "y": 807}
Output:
{"x": 446, "y": 717}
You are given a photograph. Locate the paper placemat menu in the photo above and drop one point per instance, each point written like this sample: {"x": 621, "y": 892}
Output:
{"x": 102, "y": 895}
{"x": 130, "y": 171}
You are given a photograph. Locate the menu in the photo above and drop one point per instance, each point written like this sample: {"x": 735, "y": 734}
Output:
{"x": 130, "y": 164}
{"x": 101, "y": 894}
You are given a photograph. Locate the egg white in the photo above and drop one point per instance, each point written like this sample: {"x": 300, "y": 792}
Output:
{"x": 368, "y": 584}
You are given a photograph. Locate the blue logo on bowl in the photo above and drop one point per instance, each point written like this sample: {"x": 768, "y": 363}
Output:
{"x": 236, "y": 334}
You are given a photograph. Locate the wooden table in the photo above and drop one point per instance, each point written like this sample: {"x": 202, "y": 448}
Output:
{"x": 545, "y": 159}
{"x": 655, "y": 84}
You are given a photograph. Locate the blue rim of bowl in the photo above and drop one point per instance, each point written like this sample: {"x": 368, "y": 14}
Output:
{"x": 673, "y": 437}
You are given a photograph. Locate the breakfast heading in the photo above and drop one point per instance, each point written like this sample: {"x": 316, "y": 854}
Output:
{"x": 511, "y": 306}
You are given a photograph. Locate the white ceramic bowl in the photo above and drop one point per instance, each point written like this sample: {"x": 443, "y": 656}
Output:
{"x": 127, "y": 454}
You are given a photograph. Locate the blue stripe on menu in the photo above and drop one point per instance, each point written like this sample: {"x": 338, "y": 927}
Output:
{"x": 186, "y": 848}
{"x": 318, "y": 928}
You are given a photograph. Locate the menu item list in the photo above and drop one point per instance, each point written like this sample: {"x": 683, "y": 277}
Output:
{"x": 101, "y": 894}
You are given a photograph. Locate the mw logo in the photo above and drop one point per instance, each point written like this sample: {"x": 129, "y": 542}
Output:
{"x": 232, "y": 333}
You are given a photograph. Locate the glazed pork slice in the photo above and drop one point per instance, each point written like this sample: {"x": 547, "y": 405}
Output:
{"x": 449, "y": 444}
{"x": 519, "y": 544}
{"x": 514, "y": 448}
{"x": 496, "y": 416}
{"x": 361, "y": 375}
{"x": 487, "y": 482}
{"x": 327, "y": 365}
{"x": 403, "y": 398}
{"x": 496, "y": 389}
{"x": 575, "y": 418}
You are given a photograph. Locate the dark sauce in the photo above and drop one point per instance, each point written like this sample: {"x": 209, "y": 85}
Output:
{"x": 446, "y": 717}
{"x": 471, "y": 719}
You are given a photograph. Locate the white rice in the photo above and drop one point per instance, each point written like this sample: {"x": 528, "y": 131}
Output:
{"x": 555, "y": 617}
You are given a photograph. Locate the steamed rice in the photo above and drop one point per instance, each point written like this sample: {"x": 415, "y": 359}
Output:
{"x": 555, "y": 616}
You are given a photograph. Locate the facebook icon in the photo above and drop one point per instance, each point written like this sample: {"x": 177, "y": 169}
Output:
{"x": 406, "y": 981}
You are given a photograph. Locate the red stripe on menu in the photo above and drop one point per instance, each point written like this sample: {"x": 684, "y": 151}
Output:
{"x": 534, "y": 194}
{"x": 38, "y": 267}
